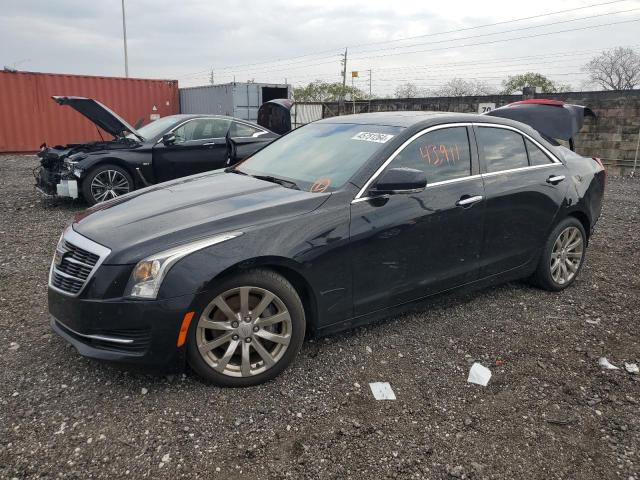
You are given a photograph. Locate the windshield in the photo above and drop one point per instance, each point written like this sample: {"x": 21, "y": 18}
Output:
{"x": 319, "y": 156}
{"x": 155, "y": 128}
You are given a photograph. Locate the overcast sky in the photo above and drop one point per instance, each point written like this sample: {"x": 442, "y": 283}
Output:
{"x": 184, "y": 39}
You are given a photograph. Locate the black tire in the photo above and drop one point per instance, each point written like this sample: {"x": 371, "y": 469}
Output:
{"x": 102, "y": 170}
{"x": 255, "y": 279}
{"x": 543, "y": 277}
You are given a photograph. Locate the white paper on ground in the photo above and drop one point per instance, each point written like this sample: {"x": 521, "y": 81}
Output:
{"x": 382, "y": 391}
{"x": 631, "y": 367}
{"x": 479, "y": 374}
{"x": 604, "y": 363}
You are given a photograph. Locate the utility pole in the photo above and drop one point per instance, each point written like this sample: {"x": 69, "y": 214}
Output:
{"x": 211, "y": 77}
{"x": 344, "y": 82}
{"x": 124, "y": 33}
{"x": 369, "y": 108}
{"x": 353, "y": 97}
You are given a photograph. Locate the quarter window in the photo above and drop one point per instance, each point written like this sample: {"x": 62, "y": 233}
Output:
{"x": 441, "y": 154}
{"x": 536, "y": 156}
{"x": 243, "y": 130}
{"x": 501, "y": 149}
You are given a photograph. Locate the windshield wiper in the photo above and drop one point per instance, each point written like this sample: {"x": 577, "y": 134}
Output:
{"x": 280, "y": 181}
{"x": 234, "y": 170}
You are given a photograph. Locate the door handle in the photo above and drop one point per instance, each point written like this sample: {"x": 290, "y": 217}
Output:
{"x": 555, "y": 179}
{"x": 467, "y": 201}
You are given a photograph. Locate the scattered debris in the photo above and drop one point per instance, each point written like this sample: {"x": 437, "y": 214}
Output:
{"x": 368, "y": 348}
{"x": 479, "y": 374}
{"x": 631, "y": 368}
{"x": 604, "y": 363}
{"x": 593, "y": 322}
{"x": 14, "y": 346}
{"x": 560, "y": 421}
{"x": 144, "y": 391}
{"x": 166, "y": 458}
{"x": 382, "y": 391}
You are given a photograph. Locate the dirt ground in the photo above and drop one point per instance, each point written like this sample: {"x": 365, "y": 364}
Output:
{"x": 549, "y": 411}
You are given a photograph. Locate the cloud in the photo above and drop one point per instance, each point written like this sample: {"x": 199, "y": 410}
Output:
{"x": 184, "y": 40}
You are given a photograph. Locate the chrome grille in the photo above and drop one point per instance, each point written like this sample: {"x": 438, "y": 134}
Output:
{"x": 75, "y": 261}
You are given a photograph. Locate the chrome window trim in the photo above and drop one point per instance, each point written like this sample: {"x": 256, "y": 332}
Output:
{"x": 519, "y": 169}
{"x": 400, "y": 149}
{"x": 554, "y": 160}
{"x": 231, "y": 120}
{"x": 84, "y": 243}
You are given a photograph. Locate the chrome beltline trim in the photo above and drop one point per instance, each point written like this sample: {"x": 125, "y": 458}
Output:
{"x": 84, "y": 243}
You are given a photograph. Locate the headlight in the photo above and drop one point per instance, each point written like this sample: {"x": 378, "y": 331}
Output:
{"x": 148, "y": 274}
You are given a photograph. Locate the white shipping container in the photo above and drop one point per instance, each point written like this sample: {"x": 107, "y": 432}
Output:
{"x": 240, "y": 100}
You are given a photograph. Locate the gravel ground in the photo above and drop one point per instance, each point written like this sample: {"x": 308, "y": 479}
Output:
{"x": 549, "y": 411}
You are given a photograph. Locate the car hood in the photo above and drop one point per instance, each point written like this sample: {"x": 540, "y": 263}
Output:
{"x": 552, "y": 118}
{"x": 99, "y": 114}
{"x": 166, "y": 215}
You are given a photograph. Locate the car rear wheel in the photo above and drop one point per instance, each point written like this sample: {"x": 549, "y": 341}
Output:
{"x": 250, "y": 330}
{"x": 106, "y": 182}
{"x": 563, "y": 256}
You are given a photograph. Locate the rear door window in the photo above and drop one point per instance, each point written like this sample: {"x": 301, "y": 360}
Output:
{"x": 442, "y": 155}
{"x": 501, "y": 149}
{"x": 536, "y": 156}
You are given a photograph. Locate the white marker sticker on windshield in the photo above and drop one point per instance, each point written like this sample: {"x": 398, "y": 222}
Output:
{"x": 372, "y": 137}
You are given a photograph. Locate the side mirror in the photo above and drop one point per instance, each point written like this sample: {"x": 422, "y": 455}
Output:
{"x": 169, "y": 138}
{"x": 400, "y": 180}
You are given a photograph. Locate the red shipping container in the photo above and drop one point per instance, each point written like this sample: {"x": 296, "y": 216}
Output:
{"x": 29, "y": 117}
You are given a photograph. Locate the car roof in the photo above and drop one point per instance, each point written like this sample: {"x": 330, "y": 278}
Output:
{"x": 414, "y": 118}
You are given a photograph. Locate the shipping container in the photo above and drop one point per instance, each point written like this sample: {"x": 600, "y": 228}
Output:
{"x": 240, "y": 100}
{"x": 29, "y": 117}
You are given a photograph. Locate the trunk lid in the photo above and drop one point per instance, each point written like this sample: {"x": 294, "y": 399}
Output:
{"x": 553, "y": 118}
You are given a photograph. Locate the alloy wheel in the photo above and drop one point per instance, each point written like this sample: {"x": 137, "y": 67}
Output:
{"x": 244, "y": 331}
{"x": 567, "y": 255}
{"x": 109, "y": 184}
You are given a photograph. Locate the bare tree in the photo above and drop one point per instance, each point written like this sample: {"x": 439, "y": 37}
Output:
{"x": 459, "y": 87}
{"x": 617, "y": 69}
{"x": 408, "y": 90}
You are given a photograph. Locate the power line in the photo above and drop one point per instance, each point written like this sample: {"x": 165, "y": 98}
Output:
{"x": 238, "y": 66}
{"x": 506, "y": 31}
{"x": 447, "y": 47}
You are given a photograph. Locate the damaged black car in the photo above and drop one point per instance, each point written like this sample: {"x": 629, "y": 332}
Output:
{"x": 168, "y": 148}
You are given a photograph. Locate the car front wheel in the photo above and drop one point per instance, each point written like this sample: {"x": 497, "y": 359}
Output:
{"x": 106, "y": 182}
{"x": 563, "y": 256}
{"x": 250, "y": 330}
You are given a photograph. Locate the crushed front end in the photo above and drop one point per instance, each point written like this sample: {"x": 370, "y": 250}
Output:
{"x": 58, "y": 173}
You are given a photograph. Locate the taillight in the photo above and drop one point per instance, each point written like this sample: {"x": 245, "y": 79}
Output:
{"x": 599, "y": 161}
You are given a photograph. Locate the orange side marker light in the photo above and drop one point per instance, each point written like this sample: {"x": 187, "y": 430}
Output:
{"x": 184, "y": 328}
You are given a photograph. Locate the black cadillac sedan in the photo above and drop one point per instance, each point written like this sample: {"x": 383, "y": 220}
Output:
{"x": 168, "y": 148}
{"x": 336, "y": 224}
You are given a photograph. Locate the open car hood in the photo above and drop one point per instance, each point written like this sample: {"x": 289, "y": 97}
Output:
{"x": 99, "y": 114}
{"x": 552, "y": 118}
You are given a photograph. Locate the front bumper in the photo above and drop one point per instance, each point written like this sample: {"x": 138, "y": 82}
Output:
{"x": 52, "y": 183}
{"x": 121, "y": 330}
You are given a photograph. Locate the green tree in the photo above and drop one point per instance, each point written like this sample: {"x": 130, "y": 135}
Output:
{"x": 320, "y": 91}
{"x": 515, "y": 83}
